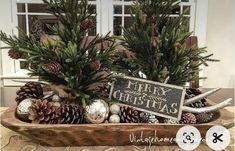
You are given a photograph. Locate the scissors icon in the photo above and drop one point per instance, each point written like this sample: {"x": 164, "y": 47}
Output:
{"x": 216, "y": 137}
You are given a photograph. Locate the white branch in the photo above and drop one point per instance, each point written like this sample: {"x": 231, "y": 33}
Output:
{"x": 216, "y": 107}
{"x": 198, "y": 97}
{"x": 166, "y": 80}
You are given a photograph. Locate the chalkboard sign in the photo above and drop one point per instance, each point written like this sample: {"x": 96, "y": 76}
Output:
{"x": 160, "y": 99}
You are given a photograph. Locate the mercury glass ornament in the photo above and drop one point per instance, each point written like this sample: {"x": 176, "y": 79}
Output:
{"x": 22, "y": 110}
{"x": 114, "y": 119}
{"x": 114, "y": 108}
{"x": 97, "y": 111}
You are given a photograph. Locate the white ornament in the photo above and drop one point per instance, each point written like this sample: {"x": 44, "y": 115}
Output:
{"x": 114, "y": 108}
{"x": 56, "y": 98}
{"x": 114, "y": 119}
{"x": 22, "y": 110}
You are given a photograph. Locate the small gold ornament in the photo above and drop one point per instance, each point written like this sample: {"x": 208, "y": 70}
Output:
{"x": 97, "y": 112}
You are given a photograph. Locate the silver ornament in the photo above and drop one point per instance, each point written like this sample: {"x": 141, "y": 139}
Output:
{"x": 56, "y": 98}
{"x": 114, "y": 108}
{"x": 22, "y": 110}
{"x": 114, "y": 119}
{"x": 171, "y": 121}
{"x": 97, "y": 111}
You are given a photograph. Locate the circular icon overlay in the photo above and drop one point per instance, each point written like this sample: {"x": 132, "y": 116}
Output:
{"x": 188, "y": 138}
{"x": 217, "y": 137}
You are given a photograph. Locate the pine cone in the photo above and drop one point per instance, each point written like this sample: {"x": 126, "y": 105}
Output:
{"x": 150, "y": 118}
{"x": 190, "y": 92}
{"x": 171, "y": 121}
{"x": 199, "y": 104}
{"x": 52, "y": 67}
{"x": 36, "y": 28}
{"x": 95, "y": 65}
{"x": 14, "y": 54}
{"x": 70, "y": 114}
{"x": 29, "y": 90}
{"x": 188, "y": 118}
{"x": 130, "y": 115}
{"x": 204, "y": 117}
{"x": 87, "y": 24}
{"x": 43, "y": 112}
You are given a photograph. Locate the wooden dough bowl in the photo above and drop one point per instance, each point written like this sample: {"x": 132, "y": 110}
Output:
{"x": 106, "y": 133}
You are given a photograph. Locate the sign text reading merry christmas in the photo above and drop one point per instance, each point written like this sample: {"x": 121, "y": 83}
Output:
{"x": 156, "y": 98}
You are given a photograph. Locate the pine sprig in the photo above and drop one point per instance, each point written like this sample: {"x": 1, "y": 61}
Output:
{"x": 159, "y": 44}
{"x": 70, "y": 55}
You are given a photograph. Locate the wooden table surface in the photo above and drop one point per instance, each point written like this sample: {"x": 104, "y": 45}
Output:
{"x": 12, "y": 141}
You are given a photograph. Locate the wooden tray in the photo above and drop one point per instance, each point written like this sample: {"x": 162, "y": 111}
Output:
{"x": 106, "y": 133}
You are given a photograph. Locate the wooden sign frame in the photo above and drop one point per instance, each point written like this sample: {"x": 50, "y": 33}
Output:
{"x": 177, "y": 92}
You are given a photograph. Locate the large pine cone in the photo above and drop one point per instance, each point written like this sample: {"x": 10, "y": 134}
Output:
{"x": 29, "y": 90}
{"x": 188, "y": 118}
{"x": 14, "y": 54}
{"x": 70, "y": 114}
{"x": 43, "y": 112}
{"x": 191, "y": 92}
{"x": 130, "y": 115}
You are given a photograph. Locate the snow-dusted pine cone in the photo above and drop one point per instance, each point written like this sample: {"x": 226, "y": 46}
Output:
{"x": 204, "y": 117}
{"x": 188, "y": 118}
{"x": 43, "y": 112}
{"x": 70, "y": 114}
{"x": 170, "y": 121}
{"x": 29, "y": 90}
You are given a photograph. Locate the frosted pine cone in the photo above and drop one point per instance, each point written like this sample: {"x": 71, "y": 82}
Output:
{"x": 204, "y": 117}
{"x": 171, "y": 121}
